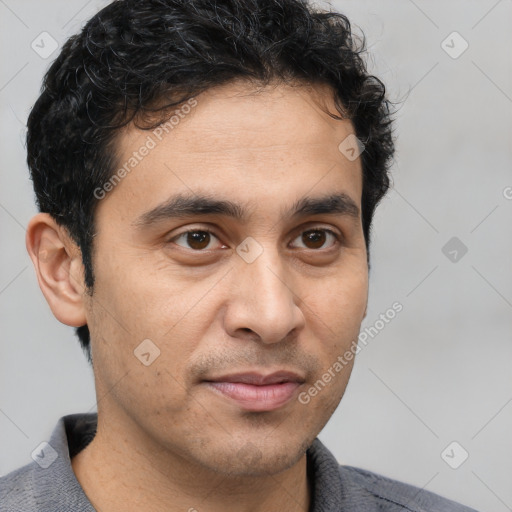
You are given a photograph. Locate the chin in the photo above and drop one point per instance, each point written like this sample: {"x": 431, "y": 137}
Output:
{"x": 253, "y": 459}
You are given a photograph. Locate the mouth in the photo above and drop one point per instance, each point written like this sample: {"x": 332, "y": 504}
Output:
{"x": 257, "y": 392}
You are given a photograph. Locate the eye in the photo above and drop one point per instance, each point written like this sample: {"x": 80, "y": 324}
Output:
{"x": 203, "y": 239}
{"x": 316, "y": 238}
{"x": 198, "y": 240}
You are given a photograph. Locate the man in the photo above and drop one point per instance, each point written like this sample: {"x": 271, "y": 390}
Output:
{"x": 207, "y": 173}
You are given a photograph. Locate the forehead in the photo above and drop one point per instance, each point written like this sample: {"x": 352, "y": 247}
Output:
{"x": 254, "y": 144}
{"x": 240, "y": 116}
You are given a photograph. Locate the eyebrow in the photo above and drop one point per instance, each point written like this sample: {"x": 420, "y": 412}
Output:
{"x": 183, "y": 206}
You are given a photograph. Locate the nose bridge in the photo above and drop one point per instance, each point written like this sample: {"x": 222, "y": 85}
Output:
{"x": 266, "y": 302}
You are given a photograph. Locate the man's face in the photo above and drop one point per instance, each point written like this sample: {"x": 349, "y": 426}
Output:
{"x": 268, "y": 292}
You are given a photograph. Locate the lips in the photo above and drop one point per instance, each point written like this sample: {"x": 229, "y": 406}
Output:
{"x": 253, "y": 391}
{"x": 258, "y": 379}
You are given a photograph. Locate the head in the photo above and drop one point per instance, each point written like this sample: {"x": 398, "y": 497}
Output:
{"x": 190, "y": 164}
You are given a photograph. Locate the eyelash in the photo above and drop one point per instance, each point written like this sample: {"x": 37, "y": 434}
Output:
{"x": 337, "y": 236}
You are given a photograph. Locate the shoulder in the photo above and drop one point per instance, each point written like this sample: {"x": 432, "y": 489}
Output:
{"x": 17, "y": 489}
{"x": 395, "y": 495}
{"x": 48, "y": 483}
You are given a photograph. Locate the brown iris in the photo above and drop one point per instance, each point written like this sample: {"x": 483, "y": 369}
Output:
{"x": 198, "y": 239}
{"x": 316, "y": 237}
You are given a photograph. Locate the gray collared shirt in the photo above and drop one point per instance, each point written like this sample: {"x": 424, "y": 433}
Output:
{"x": 48, "y": 484}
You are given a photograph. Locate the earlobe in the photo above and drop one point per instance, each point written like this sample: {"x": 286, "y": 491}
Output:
{"x": 58, "y": 264}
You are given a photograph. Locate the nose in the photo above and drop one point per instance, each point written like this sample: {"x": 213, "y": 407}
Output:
{"x": 263, "y": 301}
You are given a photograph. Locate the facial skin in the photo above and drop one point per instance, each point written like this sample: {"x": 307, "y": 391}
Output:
{"x": 166, "y": 440}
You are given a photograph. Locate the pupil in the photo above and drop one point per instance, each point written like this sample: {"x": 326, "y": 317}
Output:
{"x": 317, "y": 237}
{"x": 196, "y": 239}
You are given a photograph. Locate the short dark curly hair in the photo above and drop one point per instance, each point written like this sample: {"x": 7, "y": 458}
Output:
{"x": 136, "y": 58}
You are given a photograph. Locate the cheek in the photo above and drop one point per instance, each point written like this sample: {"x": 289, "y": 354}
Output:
{"x": 142, "y": 302}
{"x": 139, "y": 370}
{"x": 335, "y": 319}
{"x": 341, "y": 301}
{"x": 134, "y": 303}
{"x": 335, "y": 314}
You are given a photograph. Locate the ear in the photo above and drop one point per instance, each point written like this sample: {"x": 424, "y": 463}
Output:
{"x": 59, "y": 269}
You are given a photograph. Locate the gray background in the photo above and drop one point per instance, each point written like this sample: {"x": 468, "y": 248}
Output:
{"x": 440, "y": 371}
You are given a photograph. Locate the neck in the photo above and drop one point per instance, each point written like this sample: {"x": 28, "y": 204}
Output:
{"x": 120, "y": 470}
